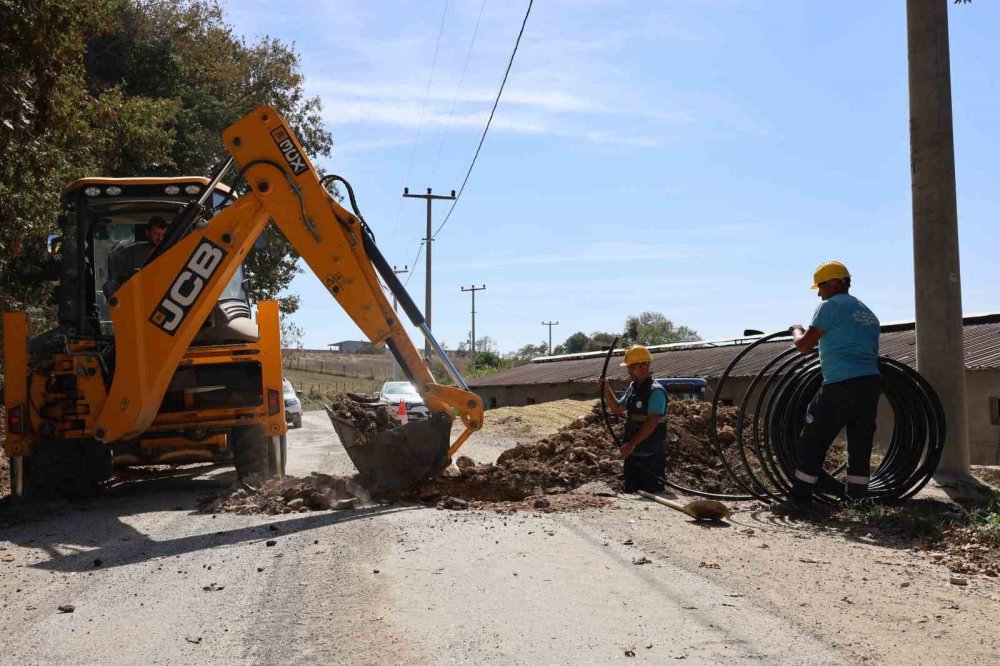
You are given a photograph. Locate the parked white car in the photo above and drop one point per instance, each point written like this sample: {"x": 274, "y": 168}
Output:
{"x": 393, "y": 393}
{"x": 293, "y": 406}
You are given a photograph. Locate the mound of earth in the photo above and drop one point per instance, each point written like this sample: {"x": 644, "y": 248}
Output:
{"x": 582, "y": 452}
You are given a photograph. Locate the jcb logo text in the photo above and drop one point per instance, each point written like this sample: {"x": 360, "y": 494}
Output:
{"x": 186, "y": 288}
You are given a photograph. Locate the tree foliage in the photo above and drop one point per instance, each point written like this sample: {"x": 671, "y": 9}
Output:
{"x": 128, "y": 88}
{"x": 653, "y": 328}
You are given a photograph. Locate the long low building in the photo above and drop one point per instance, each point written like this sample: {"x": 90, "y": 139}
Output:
{"x": 575, "y": 376}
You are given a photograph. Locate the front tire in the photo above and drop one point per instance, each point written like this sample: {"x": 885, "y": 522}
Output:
{"x": 297, "y": 421}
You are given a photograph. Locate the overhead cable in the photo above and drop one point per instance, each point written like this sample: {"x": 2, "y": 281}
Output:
{"x": 488, "y": 121}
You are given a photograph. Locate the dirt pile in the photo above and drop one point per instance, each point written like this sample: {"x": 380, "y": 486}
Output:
{"x": 582, "y": 452}
{"x": 368, "y": 418}
{"x": 317, "y": 492}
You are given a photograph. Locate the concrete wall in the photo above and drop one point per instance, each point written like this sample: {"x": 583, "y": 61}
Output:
{"x": 981, "y": 387}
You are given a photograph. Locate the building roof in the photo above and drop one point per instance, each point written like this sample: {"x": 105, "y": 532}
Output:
{"x": 710, "y": 360}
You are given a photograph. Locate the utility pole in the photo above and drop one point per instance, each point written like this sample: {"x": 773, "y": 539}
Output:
{"x": 429, "y": 197}
{"x": 395, "y": 308}
{"x": 937, "y": 284}
{"x": 550, "y": 324}
{"x": 472, "y": 345}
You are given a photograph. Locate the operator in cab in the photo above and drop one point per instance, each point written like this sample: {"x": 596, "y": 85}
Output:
{"x": 645, "y": 403}
{"x": 129, "y": 257}
{"x": 847, "y": 333}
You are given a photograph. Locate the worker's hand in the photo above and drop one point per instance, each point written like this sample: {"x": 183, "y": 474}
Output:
{"x": 796, "y": 328}
{"x": 626, "y": 450}
{"x": 600, "y": 382}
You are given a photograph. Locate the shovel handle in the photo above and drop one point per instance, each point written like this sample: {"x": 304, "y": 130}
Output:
{"x": 676, "y": 506}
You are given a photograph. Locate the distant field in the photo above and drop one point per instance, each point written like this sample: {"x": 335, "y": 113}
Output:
{"x": 368, "y": 366}
{"x": 317, "y": 388}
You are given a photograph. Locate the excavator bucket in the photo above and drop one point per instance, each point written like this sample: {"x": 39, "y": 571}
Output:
{"x": 396, "y": 460}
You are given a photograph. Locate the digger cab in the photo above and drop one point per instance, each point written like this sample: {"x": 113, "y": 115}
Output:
{"x": 109, "y": 230}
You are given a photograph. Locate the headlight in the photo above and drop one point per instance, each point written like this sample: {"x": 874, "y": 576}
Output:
{"x": 113, "y": 191}
{"x": 172, "y": 189}
{"x": 192, "y": 189}
{"x": 92, "y": 191}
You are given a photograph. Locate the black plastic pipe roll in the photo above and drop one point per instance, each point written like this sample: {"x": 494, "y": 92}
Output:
{"x": 763, "y": 458}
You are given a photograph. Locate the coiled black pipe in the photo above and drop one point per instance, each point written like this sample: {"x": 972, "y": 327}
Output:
{"x": 763, "y": 457}
{"x": 762, "y": 460}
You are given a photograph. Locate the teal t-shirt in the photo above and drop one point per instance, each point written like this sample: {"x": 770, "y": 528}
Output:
{"x": 849, "y": 345}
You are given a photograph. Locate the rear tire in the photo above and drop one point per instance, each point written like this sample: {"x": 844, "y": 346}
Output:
{"x": 73, "y": 469}
{"x": 255, "y": 454}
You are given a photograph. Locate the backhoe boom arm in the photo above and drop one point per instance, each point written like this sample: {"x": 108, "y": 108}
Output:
{"x": 156, "y": 322}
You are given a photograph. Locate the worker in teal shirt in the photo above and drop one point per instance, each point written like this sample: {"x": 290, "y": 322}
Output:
{"x": 645, "y": 402}
{"x": 847, "y": 333}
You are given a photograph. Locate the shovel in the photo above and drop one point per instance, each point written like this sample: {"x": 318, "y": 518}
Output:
{"x": 698, "y": 509}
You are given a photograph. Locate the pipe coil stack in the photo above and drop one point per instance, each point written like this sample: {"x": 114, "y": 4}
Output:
{"x": 763, "y": 457}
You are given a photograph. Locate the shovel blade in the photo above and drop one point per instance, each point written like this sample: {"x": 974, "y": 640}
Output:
{"x": 396, "y": 460}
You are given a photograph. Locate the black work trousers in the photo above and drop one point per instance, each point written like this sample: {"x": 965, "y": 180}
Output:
{"x": 850, "y": 404}
{"x": 645, "y": 473}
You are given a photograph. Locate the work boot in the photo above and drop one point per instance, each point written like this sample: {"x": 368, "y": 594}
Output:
{"x": 798, "y": 507}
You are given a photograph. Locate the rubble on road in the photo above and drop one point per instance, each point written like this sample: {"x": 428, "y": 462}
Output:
{"x": 582, "y": 453}
{"x": 317, "y": 492}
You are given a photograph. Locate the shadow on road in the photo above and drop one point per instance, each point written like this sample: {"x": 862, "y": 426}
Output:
{"x": 98, "y": 529}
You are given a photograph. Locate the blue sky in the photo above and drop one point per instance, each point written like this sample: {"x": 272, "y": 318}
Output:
{"x": 697, "y": 159}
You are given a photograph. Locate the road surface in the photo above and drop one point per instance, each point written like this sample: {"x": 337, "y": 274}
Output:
{"x": 153, "y": 581}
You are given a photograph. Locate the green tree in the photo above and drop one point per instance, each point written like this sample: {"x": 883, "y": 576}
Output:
{"x": 575, "y": 343}
{"x": 527, "y": 352}
{"x": 653, "y": 328}
{"x": 128, "y": 87}
{"x": 599, "y": 341}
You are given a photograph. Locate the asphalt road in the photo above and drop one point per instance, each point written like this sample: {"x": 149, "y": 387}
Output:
{"x": 153, "y": 581}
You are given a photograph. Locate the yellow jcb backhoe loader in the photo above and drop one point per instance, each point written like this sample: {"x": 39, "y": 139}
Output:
{"x": 155, "y": 358}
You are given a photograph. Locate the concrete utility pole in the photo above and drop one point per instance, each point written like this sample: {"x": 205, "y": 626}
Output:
{"x": 427, "y": 284}
{"x": 550, "y": 324}
{"x": 472, "y": 345}
{"x": 396, "y": 370}
{"x": 937, "y": 284}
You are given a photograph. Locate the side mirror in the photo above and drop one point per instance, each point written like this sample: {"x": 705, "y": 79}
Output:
{"x": 298, "y": 394}
{"x": 53, "y": 243}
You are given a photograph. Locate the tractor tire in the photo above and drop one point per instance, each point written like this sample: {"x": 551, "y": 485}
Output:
{"x": 254, "y": 453}
{"x": 72, "y": 469}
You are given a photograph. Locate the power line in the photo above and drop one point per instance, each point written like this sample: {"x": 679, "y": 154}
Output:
{"x": 489, "y": 120}
{"x": 414, "y": 263}
{"x": 423, "y": 109}
{"x": 454, "y": 102}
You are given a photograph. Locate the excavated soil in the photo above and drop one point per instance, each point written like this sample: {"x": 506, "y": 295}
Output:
{"x": 542, "y": 474}
{"x": 368, "y": 418}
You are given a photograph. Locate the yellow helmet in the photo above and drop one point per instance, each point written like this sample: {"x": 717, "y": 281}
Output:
{"x": 830, "y": 270}
{"x": 636, "y": 354}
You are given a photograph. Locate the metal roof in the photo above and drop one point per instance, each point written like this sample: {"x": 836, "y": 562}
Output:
{"x": 981, "y": 337}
